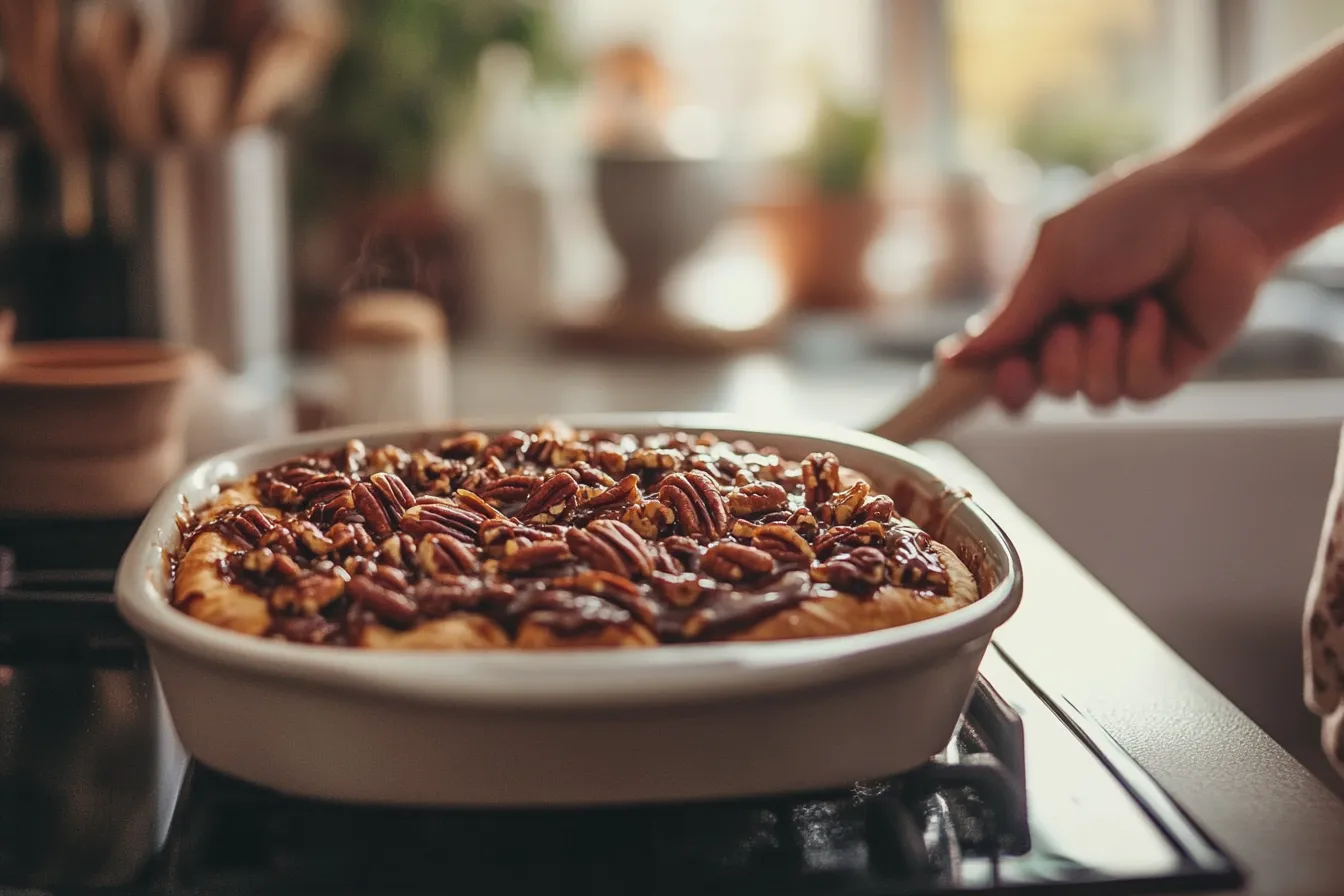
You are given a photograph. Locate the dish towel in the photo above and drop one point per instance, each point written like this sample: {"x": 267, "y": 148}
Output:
{"x": 1323, "y": 625}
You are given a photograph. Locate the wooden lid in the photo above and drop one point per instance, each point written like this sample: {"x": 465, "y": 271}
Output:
{"x": 390, "y": 318}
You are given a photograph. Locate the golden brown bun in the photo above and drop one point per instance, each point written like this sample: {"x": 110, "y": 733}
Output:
{"x": 203, "y": 593}
{"x": 463, "y": 632}
{"x": 534, "y": 636}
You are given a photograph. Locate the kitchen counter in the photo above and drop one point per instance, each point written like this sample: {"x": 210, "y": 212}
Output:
{"x": 1076, "y": 640}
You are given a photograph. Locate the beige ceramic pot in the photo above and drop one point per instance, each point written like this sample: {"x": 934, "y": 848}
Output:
{"x": 90, "y": 428}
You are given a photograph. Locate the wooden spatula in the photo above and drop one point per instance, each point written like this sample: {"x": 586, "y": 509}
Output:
{"x": 948, "y": 395}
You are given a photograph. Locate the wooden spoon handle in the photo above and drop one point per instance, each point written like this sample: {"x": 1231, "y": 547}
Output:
{"x": 951, "y": 393}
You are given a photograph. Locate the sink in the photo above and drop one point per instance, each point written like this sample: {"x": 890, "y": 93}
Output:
{"x": 1280, "y": 353}
{"x": 1295, "y": 331}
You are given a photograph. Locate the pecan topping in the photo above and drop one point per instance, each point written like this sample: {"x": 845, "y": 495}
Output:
{"x": 388, "y": 605}
{"x": 849, "y": 537}
{"x": 280, "y": 539}
{"x": 680, "y": 589}
{"x": 509, "y": 444}
{"x": 654, "y": 459}
{"x": 878, "y": 508}
{"x": 692, "y": 536}
{"x": 321, "y": 489}
{"x": 509, "y": 490}
{"x": 468, "y": 444}
{"x": 444, "y": 519}
{"x": 696, "y": 503}
{"x": 549, "y": 502}
{"x": 620, "y": 494}
{"x": 757, "y": 498}
{"x": 312, "y": 538}
{"x": 394, "y": 494}
{"x": 476, "y": 504}
{"x": 443, "y": 555}
{"x": 309, "y": 593}
{"x": 279, "y": 493}
{"x": 611, "y": 546}
{"x": 840, "y": 508}
{"x": 258, "y": 560}
{"x": 804, "y": 523}
{"x": 369, "y": 507}
{"x": 782, "y": 543}
{"x": 729, "y": 561}
{"x": 821, "y": 477}
{"x": 535, "y": 556}
{"x": 858, "y": 572}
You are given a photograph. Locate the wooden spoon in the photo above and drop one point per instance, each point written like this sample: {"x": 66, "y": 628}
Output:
{"x": 947, "y": 396}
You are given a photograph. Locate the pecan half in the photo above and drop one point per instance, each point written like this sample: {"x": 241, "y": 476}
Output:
{"x": 609, "y": 457}
{"x": 323, "y": 488}
{"x": 589, "y": 475}
{"x": 804, "y": 523}
{"x": 878, "y": 508}
{"x": 246, "y": 526}
{"x": 550, "y": 501}
{"x": 757, "y": 498}
{"x": 444, "y": 519}
{"x": 535, "y": 556}
{"x": 620, "y": 494}
{"x": 461, "y": 447}
{"x": 318, "y": 544}
{"x": 611, "y": 546}
{"x": 664, "y": 459}
{"x": 369, "y": 507}
{"x": 821, "y": 477}
{"x": 783, "y": 543}
{"x": 352, "y": 456}
{"x": 859, "y": 572}
{"x": 443, "y": 555}
{"x": 280, "y": 539}
{"x": 476, "y": 504}
{"x": 309, "y": 593}
{"x": 729, "y": 561}
{"x": 848, "y": 538}
{"x": 387, "y": 459}
{"x": 392, "y": 491}
{"x": 510, "y": 444}
{"x": 840, "y": 508}
{"x": 385, "y": 603}
{"x": 500, "y": 537}
{"x": 433, "y": 474}
{"x": 279, "y": 493}
{"x": 619, "y": 590}
{"x": 680, "y": 589}
{"x": 697, "y": 504}
{"x": 509, "y": 490}
{"x": 258, "y": 560}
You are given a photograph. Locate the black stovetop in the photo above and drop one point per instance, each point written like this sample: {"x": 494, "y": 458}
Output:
{"x": 96, "y": 797}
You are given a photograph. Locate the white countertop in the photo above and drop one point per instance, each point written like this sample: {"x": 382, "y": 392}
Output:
{"x": 1076, "y": 640}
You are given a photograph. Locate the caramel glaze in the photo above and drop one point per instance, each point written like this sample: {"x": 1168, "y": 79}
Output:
{"x": 691, "y": 536}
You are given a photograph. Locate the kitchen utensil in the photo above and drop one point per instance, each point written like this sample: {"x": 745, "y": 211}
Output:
{"x": 516, "y": 728}
{"x": 283, "y": 66}
{"x": 90, "y": 429}
{"x": 948, "y": 394}
{"x": 199, "y": 90}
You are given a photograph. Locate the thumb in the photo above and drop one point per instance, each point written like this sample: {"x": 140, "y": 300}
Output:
{"x": 1009, "y": 326}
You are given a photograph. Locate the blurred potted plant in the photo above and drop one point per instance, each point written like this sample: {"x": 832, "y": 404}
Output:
{"x": 370, "y": 151}
{"x": 823, "y": 231}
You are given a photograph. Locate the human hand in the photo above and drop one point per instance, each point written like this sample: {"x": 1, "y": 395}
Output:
{"x": 1125, "y": 294}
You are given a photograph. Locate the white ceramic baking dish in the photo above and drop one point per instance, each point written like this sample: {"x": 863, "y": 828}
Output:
{"x": 553, "y": 728}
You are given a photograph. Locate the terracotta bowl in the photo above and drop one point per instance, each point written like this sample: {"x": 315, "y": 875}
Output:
{"x": 90, "y": 429}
